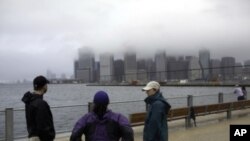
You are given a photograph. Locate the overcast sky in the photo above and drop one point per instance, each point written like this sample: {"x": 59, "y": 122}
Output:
{"x": 40, "y": 35}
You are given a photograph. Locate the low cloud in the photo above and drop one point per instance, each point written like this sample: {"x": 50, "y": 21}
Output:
{"x": 50, "y": 33}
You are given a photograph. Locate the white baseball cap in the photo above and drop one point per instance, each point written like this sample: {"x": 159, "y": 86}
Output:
{"x": 151, "y": 85}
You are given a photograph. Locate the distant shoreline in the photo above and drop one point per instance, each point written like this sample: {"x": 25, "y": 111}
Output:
{"x": 141, "y": 84}
{"x": 174, "y": 85}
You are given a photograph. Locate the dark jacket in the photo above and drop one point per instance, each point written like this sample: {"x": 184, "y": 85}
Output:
{"x": 38, "y": 117}
{"x": 156, "y": 128}
{"x": 112, "y": 127}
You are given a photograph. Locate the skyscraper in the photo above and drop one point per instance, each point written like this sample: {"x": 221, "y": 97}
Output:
{"x": 238, "y": 71}
{"x": 215, "y": 69}
{"x": 97, "y": 72}
{"x": 204, "y": 57}
{"x": 119, "y": 70}
{"x": 227, "y": 68}
{"x": 86, "y": 62}
{"x": 161, "y": 66}
{"x": 177, "y": 69}
{"x": 106, "y": 67}
{"x": 150, "y": 67}
{"x": 130, "y": 66}
{"x": 247, "y": 69}
{"x": 194, "y": 71}
{"x": 141, "y": 70}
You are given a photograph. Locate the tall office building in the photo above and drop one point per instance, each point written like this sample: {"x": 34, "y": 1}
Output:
{"x": 161, "y": 66}
{"x": 227, "y": 70}
{"x": 106, "y": 67}
{"x": 204, "y": 57}
{"x": 85, "y": 65}
{"x": 141, "y": 70}
{"x": 76, "y": 66}
{"x": 177, "y": 69}
{"x": 215, "y": 70}
{"x": 247, "y": 63}
{"x": 246, "y": 69}
{"x": 194, "y": 69}
{"x": 188, "y": 58}
{"x": 119, "y": 70}
{"x": 150, "y": 68}
{"x": 171, "y": 60}
{"x": 130, "y": 66}
{"x": 238, "y": 71}
{"x": 97, "y": 72}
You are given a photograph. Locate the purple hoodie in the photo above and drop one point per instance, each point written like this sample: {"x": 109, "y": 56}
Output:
{"x": 112, "y": 127}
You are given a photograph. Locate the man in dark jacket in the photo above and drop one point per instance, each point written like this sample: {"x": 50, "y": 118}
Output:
{"x": 155, "y": 128}
{"x": 102, "y": 124}
{"x": 39, "y": 118}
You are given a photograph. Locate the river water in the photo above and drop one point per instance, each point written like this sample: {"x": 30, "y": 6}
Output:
{"x": 72, "y": 94}
{"x": 124, "y": 99}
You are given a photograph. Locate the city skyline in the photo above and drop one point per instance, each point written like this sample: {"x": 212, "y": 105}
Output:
{"x": 36, "y": 36}
{"x": 161, "y": 68}
{"x": 55, "y": 75}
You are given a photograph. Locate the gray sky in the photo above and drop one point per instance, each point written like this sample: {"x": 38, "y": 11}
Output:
{"x": 36, "y": 35}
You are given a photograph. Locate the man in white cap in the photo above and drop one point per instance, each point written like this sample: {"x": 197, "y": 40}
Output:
{"x": 155, "y": 128}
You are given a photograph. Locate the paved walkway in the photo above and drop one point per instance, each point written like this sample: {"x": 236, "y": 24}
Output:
{"x": 209, "y": 128}
{"x": 217, "y": 131}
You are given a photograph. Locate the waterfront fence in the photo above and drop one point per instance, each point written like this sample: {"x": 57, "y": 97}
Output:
{"x": 13, "y": 123}
{"x": 2, "y": 124}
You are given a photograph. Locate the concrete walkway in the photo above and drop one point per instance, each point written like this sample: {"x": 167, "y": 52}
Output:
{"x": 217, "y": 131}
{"x": 209, "y": 128}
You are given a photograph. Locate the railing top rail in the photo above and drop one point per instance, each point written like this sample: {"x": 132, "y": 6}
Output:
{"x": 126, "y": 101}
{"x": 61, "y": 106}
{"x": 205, "y": 95}
{"x": 118, "y": 102}
{"x": 176, "y": 97}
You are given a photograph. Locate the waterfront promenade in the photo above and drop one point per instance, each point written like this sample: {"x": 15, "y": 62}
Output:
{"x": 213, "y": 127}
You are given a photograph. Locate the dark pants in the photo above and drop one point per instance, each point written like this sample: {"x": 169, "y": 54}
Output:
{"x": 241, "y": 98}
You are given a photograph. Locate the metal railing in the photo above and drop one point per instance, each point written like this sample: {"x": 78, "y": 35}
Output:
{"x": 65, "y": 116}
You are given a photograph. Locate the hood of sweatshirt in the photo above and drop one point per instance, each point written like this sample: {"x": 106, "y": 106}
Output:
{"x": 153, "y": 98}
{"x": 29, "y": 97}
{"x": 158, "y": 96}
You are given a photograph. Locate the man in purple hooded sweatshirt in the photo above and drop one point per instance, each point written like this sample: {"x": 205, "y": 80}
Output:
{"x": 102, "y": 124}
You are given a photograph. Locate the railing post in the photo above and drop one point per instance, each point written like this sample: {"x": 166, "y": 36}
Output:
{"x": 90, "y": 106}
{"x": 220, "y": 98}
{"x": 9, "y": 124}
{"x": 190, "y": 101}
{"x": 229, "y": 111}
{"x": 189, "y": 104}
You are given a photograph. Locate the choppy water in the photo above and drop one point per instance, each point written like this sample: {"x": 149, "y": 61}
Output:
{"x": 71, "y": 94}
{"x": 61, "y": 96}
